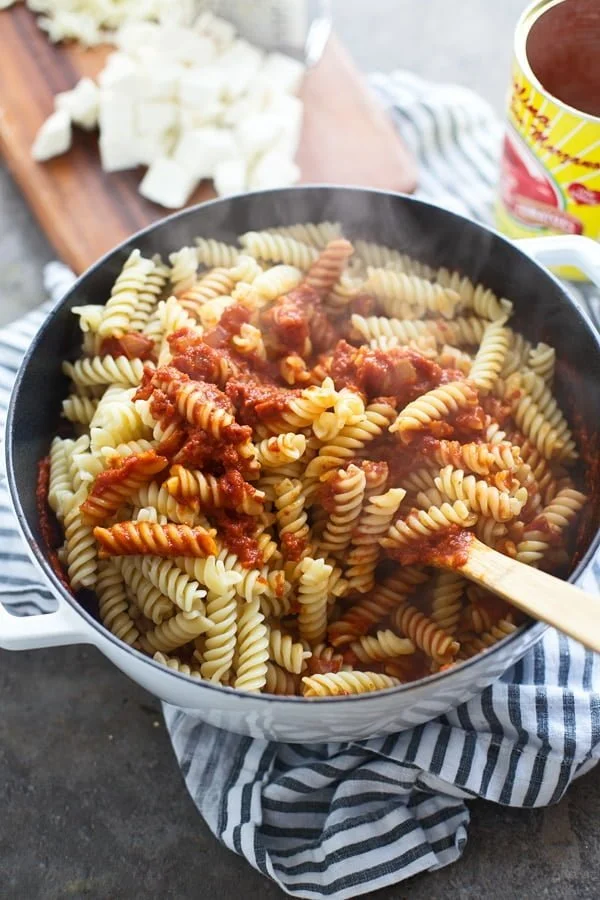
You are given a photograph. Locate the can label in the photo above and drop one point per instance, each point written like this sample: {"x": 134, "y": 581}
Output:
{"x": 550, "y": 172}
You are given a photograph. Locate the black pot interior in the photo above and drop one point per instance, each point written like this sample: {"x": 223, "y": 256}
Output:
{"x": 439, "y": 238}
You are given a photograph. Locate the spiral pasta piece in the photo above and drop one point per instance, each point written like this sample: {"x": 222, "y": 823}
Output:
{"x": 252, "y": 649}
{"x": 157, "y": 497}
{"x": 490, "y": 357}
{"x": 217, "y": 283}
{"x": 476, "y": 643}
{"x": 446, "y": 600}
{"x": 79, "y": 409}
{"x": 351, "y": 440}
{"x": 184, "y": 265}
{"x": 386, "y": 257}
{"x": 395, "y": 289}
{"x": 483, "y": 459}
{"x": 431, "y": 407}
{"x": 277, "y": 451}
{"x": 211, "y": 253}
{"x": 220, "y": 643}
{"x": 315, "y": 234}
{"x": 483, "y": 301}
{"x": 60, "y": 484}
{"x": 328, "y": 266}
{"x": 175, "y": 584}
{"x": 275, "y": 282}
{"x": 143, "y": 538}
{"x": 553, "y": 520}
{"x": 302, "y": 411}
{"x": 280, "y": 682}
{"x": 292, "y": 519}
{"x": 278, "y": 249}
{"x": 347, "y": 488}
{"x": 542, "y": 361}
{"x": 537, "y": 414}
{"x": 312, "y": 599}
{"x": 460, "y": 331}
{"x": 113, "y": 603}
{"x": 339, "y": 684}
{"x": 480, "y": 496}
{"x": 124, "y": 297}
{"x": 175, "y": 632}
{"x": 82, "y": 554}
{"x": 425, "y": 633}
{"x": 373, "y": 524}
{"x": 423, "y": 523}
{"x": 176, "y": 665}
{"x": 147, "y": 598}
{"x": 105, "y": 499}
{"x": 383, "y": 645}
{"x": 214, "y": 492}
{"x": 105, "y": 370}
{"x": 149, "y": 296}
{"x": 287, "y": 654}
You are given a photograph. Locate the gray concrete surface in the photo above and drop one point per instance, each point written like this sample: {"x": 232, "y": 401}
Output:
{"x": 92, "y": 804}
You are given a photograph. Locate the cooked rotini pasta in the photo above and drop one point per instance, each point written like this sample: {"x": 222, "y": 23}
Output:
{"x": 270, "y": 450}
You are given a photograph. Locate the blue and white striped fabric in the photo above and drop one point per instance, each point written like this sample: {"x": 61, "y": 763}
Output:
{"x": 341, "y": 820}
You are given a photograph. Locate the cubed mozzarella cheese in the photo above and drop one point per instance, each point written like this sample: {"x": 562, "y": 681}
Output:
{"x": 230, "y": 177}
{"x": 121, "y": 73}
{"x": 200, "y": 87}
{"x": 273, "y": 169}
{"x": 185, "y": 46}
{"x": 156, "y": 116}
{"x": 221, "y": 32}
{"x": 159, "y": 80}
{"x": 167, "y": 183}
{"x": 241, "y": 62}
{"x": 81, "y": 104}
{"x": 53, "y": 137}
{"x": 149, "y": 147}
{"x": 200, "y": 150}
{"x": 289, "y": 111}
{"x": 116, "y": 116}
{"x": 192, "y": 117}
{"x": 284, "y": 72}
{"x": 118, "y": 153}
{"x": 257, "y": 132}
{"x": 135, "y": 37}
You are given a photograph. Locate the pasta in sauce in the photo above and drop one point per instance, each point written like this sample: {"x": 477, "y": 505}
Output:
{"x": 277, "y": 454}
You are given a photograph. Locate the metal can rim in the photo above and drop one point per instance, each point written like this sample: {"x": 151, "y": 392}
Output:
{"x": 530, "y": 15}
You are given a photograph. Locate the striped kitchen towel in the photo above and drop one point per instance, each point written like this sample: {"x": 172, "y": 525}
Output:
{"x": 341, "y": 820}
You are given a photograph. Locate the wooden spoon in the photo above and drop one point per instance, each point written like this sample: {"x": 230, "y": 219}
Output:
{"x": 542, "y": 596}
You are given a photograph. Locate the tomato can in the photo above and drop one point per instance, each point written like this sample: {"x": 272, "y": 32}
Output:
{"x": 550, "y": 170}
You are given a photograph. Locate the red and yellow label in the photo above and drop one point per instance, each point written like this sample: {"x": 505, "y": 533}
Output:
{"x": 550, "y": 171}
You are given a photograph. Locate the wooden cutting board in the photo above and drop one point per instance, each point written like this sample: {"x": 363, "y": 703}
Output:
{"x": 346, "y": 139}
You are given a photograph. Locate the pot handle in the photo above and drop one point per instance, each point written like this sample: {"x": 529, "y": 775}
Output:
{"x": 55, "y": 629}
{"x": 565, "y": 250}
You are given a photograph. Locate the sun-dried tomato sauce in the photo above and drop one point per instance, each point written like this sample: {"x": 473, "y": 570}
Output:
{"x": 448, "y": 549}
{"x": 132, "y": 344}
{"x": 316, "y": 665}
{"x": 257, "y": 401}
{"x": 121, "y": 468}
{"x": 237, "y": 533}
{"x": 292, "y": 546}
{"x": 400, "y": 372}
{"x": 48, "y": 527}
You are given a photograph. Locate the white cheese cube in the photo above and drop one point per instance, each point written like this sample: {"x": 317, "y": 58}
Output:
{"x": 289, "y": 112}
{"x": 230, "y": 177}
{"x": 159, "y": 80}
{"x": 241, "y": 62}
{"x": 167, "y": 183}
{"x": 156, "y": 116}
{"x": 116, "y": 116}
{"x": 121, "y": 73}
{"x": 285, "y": 72}
{"x": 81, "y": 104}
{"x": 185, "y": 46}
{"x": 211, "y": 114}
{"x": 273, "y": 170}
{"x": 118, "y": 153}
{"x": 219, "y": 30}
{"x": 150, "y": 146}
{"x": 257, "y": 132}
{"x": 202, "y": 87}
{"x": 134, "y": 38}
{"x": 200, "y": 150}
{"x": 53, "y": 137}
